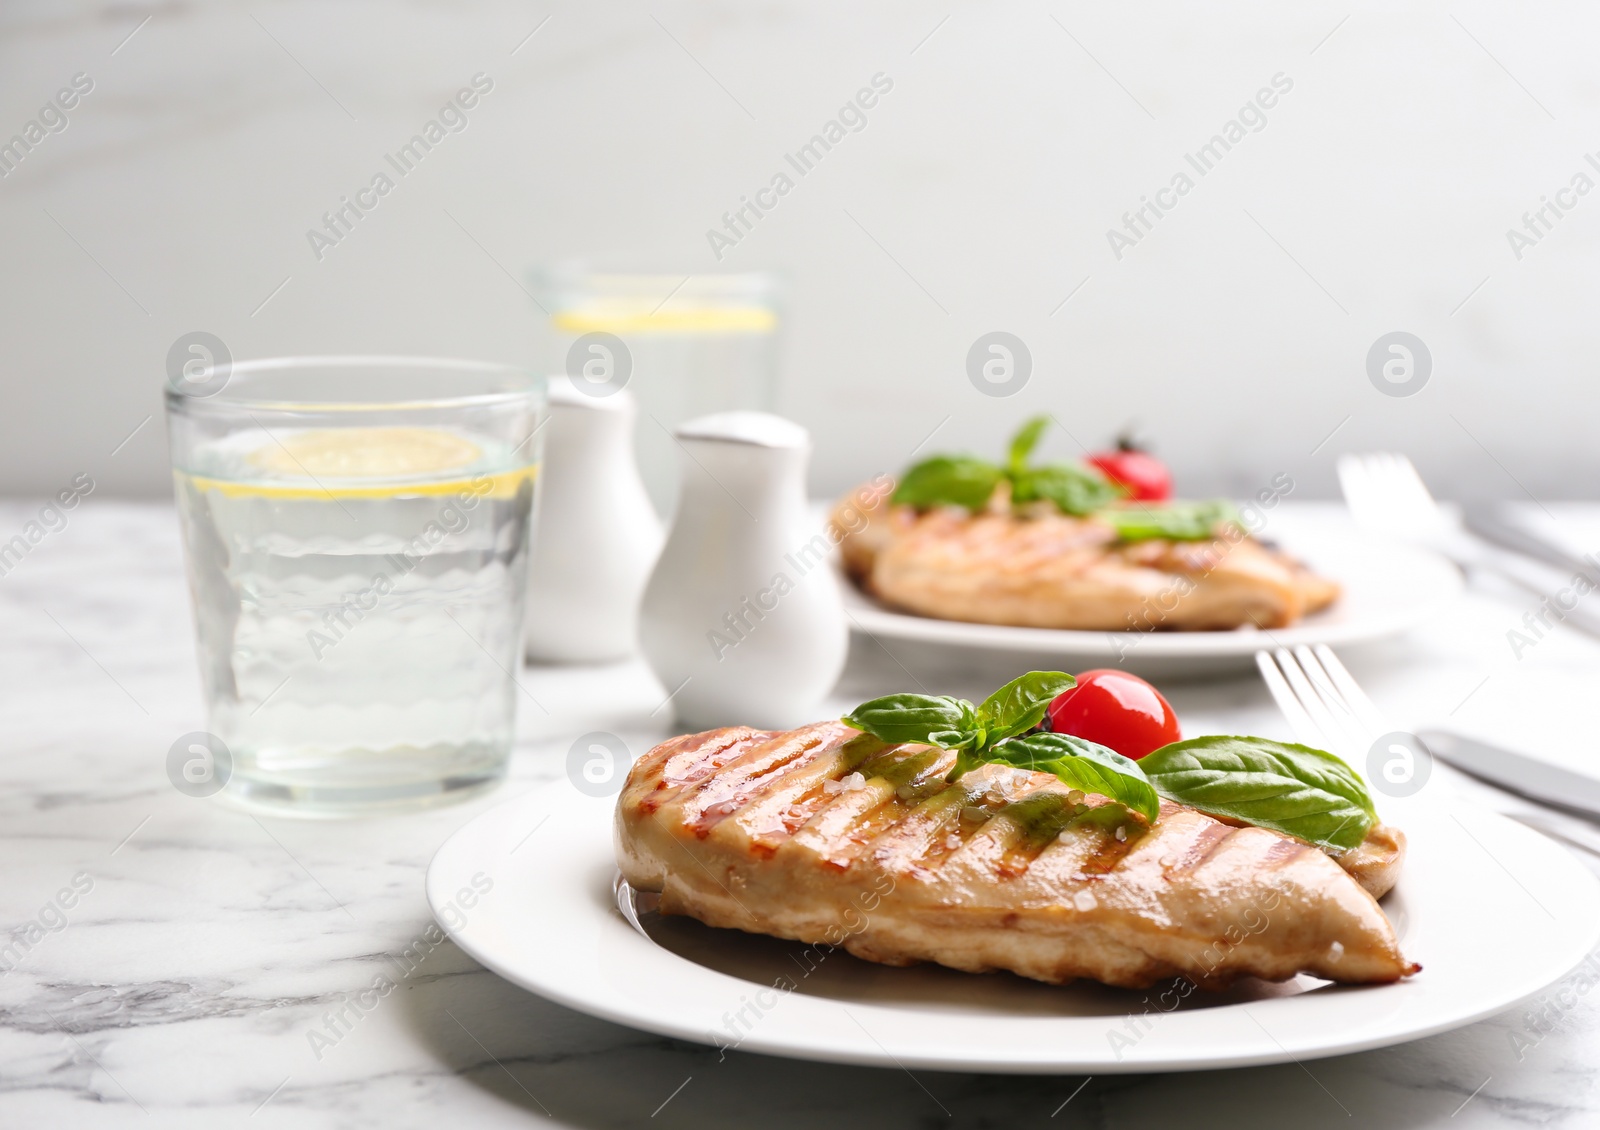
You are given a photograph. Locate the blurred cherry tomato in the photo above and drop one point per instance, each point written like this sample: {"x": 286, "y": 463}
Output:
{"x": 1117, "y": 710}
{"x": 1142, "y": 475}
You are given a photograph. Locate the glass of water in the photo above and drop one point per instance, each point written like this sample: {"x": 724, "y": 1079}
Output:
{"x": 356, "y": 532}
{"x": 684, "y": 345}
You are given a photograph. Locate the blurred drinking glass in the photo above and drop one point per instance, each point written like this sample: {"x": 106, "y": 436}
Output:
{"x": 684, "y": 345}
{"x": 356, "y": 532}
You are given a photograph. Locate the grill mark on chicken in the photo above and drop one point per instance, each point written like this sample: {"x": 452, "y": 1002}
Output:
{"x": 901, "y": 845}
{"x": 1110, "y": 849}
{"x": 844, "y": 825}
{"x": 692, "y": 758}
{"x": 1001, "y": 869}
{"x": 789, "y": 799}
{"x": 1206, "y": 841}
{"x": 1284, "y": 852}
{"x": 1039, "y": 821}
{"x": 695, "y": 761}
{"x": 717, "y": 797}
{"x": 1013, "y": 834}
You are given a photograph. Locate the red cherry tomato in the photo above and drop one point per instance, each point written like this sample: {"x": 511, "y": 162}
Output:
{"x": 1142, "y": 475}
{"x": 1117, "y": 710}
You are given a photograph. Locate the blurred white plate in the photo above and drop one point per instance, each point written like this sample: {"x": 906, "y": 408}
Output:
{"x": 1493, "y": 911}
{"x": 1387, "y": 589}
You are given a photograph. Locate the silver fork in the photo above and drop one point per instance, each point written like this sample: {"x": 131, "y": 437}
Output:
{"x": 1327, "y": 709}
{"x": 1387, "y": 495}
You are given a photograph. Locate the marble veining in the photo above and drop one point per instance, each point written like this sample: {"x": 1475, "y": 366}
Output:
{"x": 193, "y": 983}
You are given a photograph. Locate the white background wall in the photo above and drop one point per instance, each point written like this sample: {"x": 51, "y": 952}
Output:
{"x": 179, "y": 197}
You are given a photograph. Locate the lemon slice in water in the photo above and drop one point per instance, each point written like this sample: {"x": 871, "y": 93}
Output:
{"x": 335, "y": 463}
{"x": 686, "y": 319}
{"x": 367, "y": 453}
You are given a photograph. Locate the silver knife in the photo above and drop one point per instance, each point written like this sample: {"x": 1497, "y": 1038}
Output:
{"x": 1491, "y": 524}
{"x": 1561, "y": 788}
{"x": 1574, "y": 831}
{"x": 1550, "y": 574}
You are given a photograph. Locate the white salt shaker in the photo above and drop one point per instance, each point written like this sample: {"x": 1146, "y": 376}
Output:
{"x": 595, "y": 534}
{"x": 742, "y": 618}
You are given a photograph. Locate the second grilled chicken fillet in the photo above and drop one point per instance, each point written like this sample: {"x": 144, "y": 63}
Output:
{"x": 1049, "y": 570}
{"x": 794, "y": 833}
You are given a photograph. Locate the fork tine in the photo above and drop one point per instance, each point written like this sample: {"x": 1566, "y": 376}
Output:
{"x": 1390, "y": 494}
{"x": 1329, "y": 691}
{"x": 1310, "y": 700}
{"x": 1353, "y": 481}
{"x": 1364, "y": 707}
{"x": 1408, "y": 470}
{"x": 1366, "y": 482}
{"x": 1305, "y": 730}
{"x": 1350, "y": 724}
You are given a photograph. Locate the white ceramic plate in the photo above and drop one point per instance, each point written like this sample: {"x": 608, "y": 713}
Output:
{"x": 1493, "y": 911}
{"x": 1387, "y": 589}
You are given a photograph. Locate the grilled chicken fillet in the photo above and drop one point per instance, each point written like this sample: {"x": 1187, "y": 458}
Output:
{"x": 1048, "y": 570}
{"x": 824, "y": 834}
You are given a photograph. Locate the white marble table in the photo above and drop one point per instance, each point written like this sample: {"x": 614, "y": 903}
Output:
{"x": 179, "y": 988}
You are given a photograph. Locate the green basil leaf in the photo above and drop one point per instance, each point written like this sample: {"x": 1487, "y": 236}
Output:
{"x": 1023, "y": 443}
{"x": 911, "y": 717}
{"x": 1177, "y": 521}
{"x": 1020, "y": 704}
{"x": 1085, "y": 765}
{"x": 1075, "y": 490}
{"x": 948, "y": 480}
{"x": 966, "y": 761}
{"x": 1293, "y": 789}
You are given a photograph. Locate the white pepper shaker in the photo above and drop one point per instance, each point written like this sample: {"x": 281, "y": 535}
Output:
{"x": 742, "y": 619}
{"x": 595, "y": 534}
